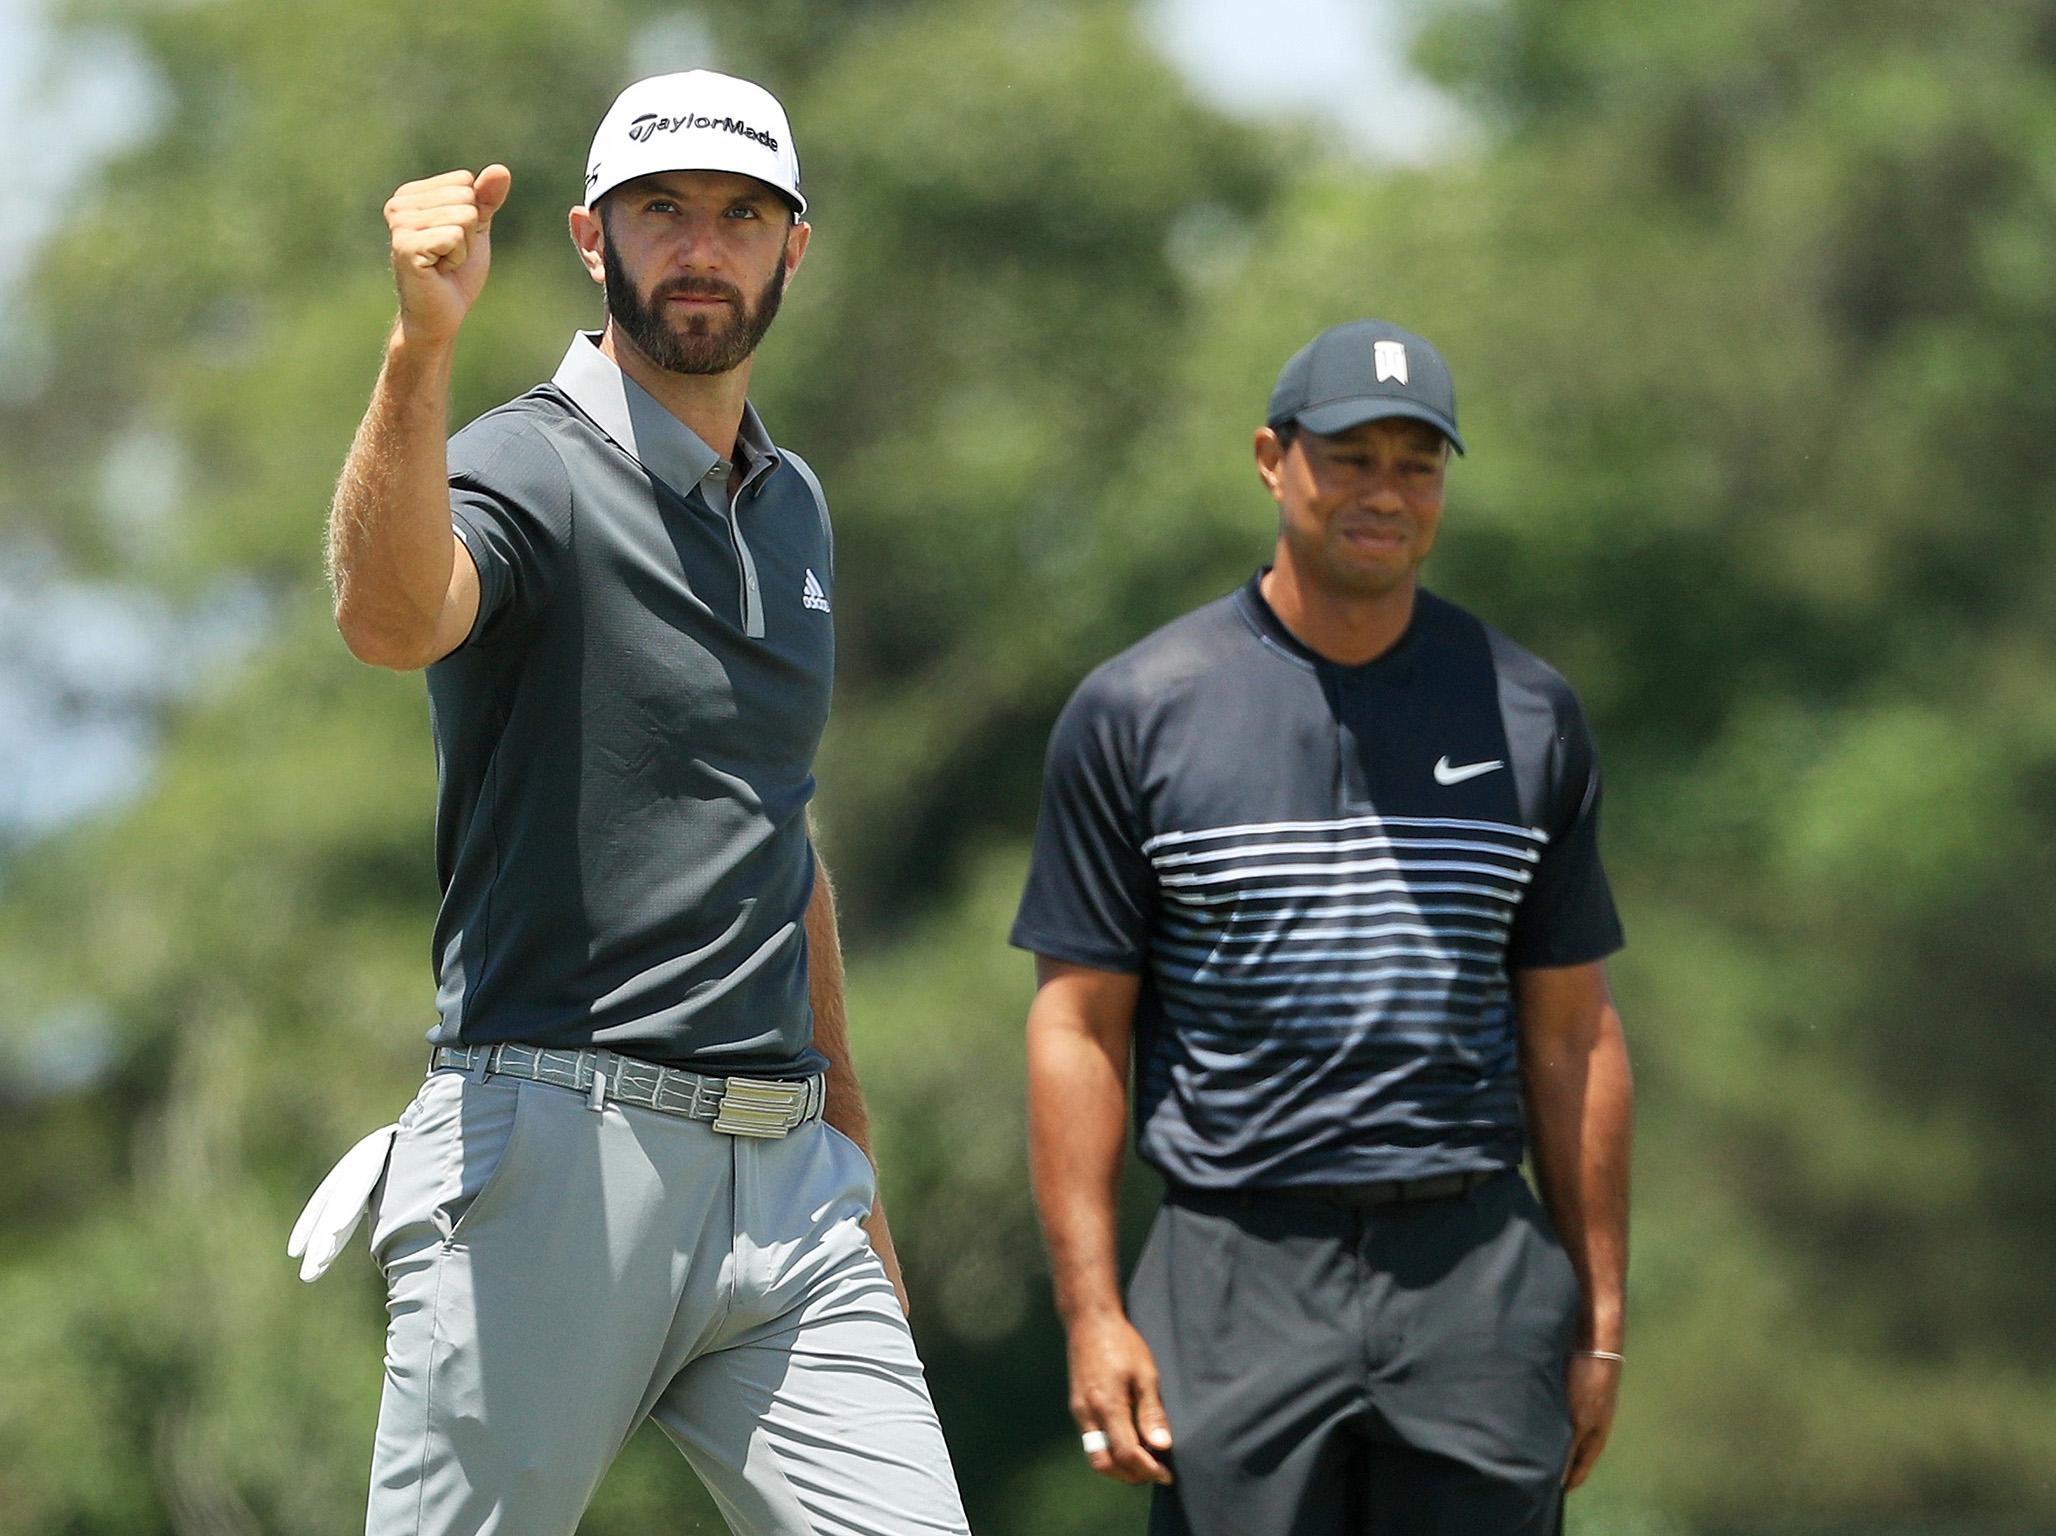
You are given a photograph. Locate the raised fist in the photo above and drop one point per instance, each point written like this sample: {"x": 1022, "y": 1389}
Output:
{"x": 442, "y": 246}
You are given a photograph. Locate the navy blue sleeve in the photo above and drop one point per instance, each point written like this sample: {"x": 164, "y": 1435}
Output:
{"x": 1567, "y": 916}
{"x": 1091, "y": 893}
{"x": 510, "y": 503}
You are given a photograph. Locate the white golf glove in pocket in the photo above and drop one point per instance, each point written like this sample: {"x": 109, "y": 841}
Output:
{"x": 338, "y": 1204}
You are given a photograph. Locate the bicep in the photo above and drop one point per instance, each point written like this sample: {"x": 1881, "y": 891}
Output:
{"x": 1563, "y": 1006}
{"x": 459, "y": 613}
{"x": 1084, "y": 1000}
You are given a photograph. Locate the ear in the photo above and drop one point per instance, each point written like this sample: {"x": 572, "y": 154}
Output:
{"x": 590, "y": 238}
{"x": 796, "y": 246}
{"x": 1270, "y": 462}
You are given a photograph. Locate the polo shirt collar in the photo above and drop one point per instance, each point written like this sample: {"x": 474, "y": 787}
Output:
{"x": 642, "y": 428}
{"x": 754, "y": 449}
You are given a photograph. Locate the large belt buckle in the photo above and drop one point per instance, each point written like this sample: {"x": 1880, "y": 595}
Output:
{"x": 753, "y": 1107}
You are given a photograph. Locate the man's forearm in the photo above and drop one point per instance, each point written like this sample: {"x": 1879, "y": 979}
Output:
{"x": 844, "y": 1109}
{"x": 391, "y": 553}
{"x": 843, "y": 1101}
{"x": 1077, "y": 1124}
{"x": 1581, "y": 1111}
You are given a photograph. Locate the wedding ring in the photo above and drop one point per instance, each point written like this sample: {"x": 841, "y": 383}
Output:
{"x": 1094, "y": 1441}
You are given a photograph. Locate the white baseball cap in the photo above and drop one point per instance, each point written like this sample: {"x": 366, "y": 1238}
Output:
{"x": 694, "y": 121}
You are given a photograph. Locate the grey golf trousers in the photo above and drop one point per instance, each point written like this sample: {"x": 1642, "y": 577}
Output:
{"x": 555, "y": 1274}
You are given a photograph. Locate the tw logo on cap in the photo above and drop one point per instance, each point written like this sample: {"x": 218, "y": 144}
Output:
{"x": 1389, "y": 358}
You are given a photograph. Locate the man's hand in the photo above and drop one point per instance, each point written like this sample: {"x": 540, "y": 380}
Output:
{"x": 1114, "y": 1390}
{"x": 1594, "y": 1387}
{"x": 442, "y": 247}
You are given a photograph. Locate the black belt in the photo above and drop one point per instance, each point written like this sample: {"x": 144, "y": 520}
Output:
{"x": 1441, "y": 1186}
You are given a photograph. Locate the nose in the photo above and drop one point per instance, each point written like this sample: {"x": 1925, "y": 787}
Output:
{"x": 698, "y": 245}
{"x": 1382, "y": 495}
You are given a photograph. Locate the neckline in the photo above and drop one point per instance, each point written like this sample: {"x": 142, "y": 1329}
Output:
{"x": 1393, "y": 664}
{"x": 640, "y": 426}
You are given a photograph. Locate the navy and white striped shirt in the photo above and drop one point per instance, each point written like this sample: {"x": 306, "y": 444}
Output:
{"x": 1325, "y": 876}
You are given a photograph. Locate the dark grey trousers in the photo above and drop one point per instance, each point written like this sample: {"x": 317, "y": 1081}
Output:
{"x": 1370, "y": 1371}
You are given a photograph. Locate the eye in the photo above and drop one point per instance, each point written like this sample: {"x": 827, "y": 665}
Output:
{"x": 744, "y": 211}
{"x": 660, "y": 205}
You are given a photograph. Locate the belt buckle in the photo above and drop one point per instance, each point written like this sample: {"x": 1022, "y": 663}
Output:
{"x": 752, "y": 1106}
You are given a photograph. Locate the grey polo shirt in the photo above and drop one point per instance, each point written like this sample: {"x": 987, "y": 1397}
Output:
{"x": 625, "y": 742}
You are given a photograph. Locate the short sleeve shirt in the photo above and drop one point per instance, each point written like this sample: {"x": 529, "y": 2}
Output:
{"x": 1324, "y": 876}
{"x": 625, "y": 742}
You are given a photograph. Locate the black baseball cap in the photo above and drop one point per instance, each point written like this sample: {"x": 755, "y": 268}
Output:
{"x": 1364, "y": 371}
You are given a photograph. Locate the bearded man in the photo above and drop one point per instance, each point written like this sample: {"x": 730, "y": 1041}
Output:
{"x": 636, "y": 1183}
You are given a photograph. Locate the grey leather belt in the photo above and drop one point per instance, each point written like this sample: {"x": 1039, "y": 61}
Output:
{"x": 736, "y": 1106}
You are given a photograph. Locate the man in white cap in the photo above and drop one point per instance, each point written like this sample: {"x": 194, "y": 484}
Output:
{"x": 636, "y": 1182}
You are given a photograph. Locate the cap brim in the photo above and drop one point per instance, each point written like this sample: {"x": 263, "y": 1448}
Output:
{"x": 753, "y": 167}
{"x": 1340, "y": 415}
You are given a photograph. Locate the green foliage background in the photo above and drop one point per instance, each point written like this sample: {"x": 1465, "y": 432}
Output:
{"x": 1750, "y": 302}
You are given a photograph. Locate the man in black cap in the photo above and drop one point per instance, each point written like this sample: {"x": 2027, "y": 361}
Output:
{"x": 1323, "y": 856}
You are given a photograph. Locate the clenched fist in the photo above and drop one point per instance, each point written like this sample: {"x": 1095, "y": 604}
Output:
{"x": 442, "y": 246}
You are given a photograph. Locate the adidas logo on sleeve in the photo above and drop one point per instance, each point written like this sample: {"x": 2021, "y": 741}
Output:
{"x": 811, "y": 596}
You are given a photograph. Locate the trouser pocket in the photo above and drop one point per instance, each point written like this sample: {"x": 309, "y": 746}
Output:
{"x": 450, "y": 1156}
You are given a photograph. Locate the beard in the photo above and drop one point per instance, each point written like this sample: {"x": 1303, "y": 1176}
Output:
{"x": 702, "y": 344}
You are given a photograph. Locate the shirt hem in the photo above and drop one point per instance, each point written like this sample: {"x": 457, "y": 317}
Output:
{"x": 1074, "y": 954}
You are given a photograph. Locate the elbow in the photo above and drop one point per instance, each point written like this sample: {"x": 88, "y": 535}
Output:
{"x": 382, "y": 644}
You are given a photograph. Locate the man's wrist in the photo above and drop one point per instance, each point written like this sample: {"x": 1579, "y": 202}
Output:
{"x": 1100, "y": 1307}
{"x": 413, "y": 354}
{"x": 1605, "y": 1337}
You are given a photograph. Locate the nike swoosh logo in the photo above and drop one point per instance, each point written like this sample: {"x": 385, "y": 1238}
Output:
{"x": 1444, "y": 774}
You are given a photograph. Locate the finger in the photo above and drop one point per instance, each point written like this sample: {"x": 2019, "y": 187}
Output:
{"x": 1102, "y": 1462}
{"x": 1130, "y": 1455}
{"x": 442, "y": 183}
{"x": 1088, "y": 1421}
{"x": 1584, "y": 1451}
{"x": 1151, "y": 1422}
{"x": 1123, "y": 1459}
{"x": 491, "y": 188}
{"x": 458, "y": 209}
{"x": 426, "y": 249}
{"x": 430, "y": 206}
{"x": 426, "y": 238}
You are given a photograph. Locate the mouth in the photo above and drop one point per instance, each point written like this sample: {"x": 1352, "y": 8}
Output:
{"x": 1374, "y": 536}
{"x": 698, "y": 298}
